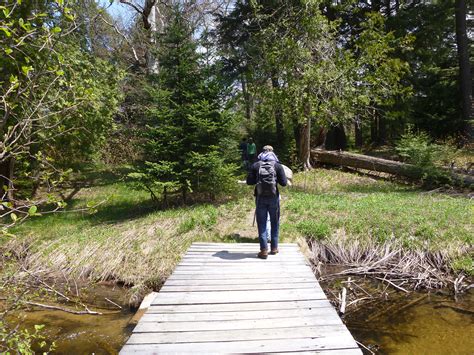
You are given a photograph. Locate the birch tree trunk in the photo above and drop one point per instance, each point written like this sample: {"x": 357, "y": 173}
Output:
{"x": 151, "y": 62}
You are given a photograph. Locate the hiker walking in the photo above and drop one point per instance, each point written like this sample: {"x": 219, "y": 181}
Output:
{"x": 251, "y": 151}
{"x": 243, "y": 151}
{"x": 266, "y": 174}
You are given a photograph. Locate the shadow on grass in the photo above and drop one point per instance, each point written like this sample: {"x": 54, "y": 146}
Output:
{"x": 237, "y": 238}
{"x": 356, "y": 188}
{"x": 124, "y": 211}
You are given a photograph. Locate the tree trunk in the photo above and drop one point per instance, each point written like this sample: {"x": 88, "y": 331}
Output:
{"x": 151, "y": 62}
{"x": 248, "y": 104}
{"x": 374, "y": 130}
{"x": 321, "y": 138}
{"x": 6, "y": 178}
{"x": 382, "y": 130}
{"x": 464, "y": 65}
{"x": 304, "y": 144}
{"x": 336, "y": 138}
{"x": 280, "y": 132}
{"x": 358, "y": 134}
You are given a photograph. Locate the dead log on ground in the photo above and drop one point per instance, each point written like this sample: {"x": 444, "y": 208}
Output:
{"x": 365, "y": 162}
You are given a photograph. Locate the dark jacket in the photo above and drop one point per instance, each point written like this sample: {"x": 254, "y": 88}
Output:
{"x": 252, "y": 177}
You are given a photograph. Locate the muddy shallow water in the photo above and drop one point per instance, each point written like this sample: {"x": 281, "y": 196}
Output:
{"x": 84, "y": 334}
{"x": 433, "y": 324}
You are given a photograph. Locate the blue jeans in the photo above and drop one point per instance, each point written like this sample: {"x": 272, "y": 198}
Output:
{"x": 268, "y": 206}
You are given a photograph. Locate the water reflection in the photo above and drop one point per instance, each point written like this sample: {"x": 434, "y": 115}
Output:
{"x": 433, "y": 325}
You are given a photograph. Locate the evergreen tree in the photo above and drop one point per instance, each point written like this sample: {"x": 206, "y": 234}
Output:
{"x": 187, "y": 120}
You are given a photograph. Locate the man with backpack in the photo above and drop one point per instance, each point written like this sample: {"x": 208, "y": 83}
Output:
{"x": 266, "y": 174}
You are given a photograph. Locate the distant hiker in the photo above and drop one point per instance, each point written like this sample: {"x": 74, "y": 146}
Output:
{"x": 243, "y": 151}
{"x": 251, "y": 151}
{"x": 266, "y": 174}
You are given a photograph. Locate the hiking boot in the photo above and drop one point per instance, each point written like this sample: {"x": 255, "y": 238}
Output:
{"x": 263, "y": 254}
{"x": 274, "y": 252}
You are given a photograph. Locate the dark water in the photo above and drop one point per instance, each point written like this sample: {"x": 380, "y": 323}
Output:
{"x": 417, "y": 324}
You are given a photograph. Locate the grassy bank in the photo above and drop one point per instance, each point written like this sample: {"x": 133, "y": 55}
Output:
{"x": 131, "y": 240}
{"x": 384, "y": 229}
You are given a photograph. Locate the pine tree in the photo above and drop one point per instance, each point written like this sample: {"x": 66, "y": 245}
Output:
{"x": 187, "y": 121}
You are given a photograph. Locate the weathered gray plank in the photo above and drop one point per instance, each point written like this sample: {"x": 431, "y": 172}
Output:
{"x": 268, "y": 282}
{"x": 241, "y": 269}
{"x": 248, "y": 276}
{"x": 237, "y": 296}
{"x": 238, "y": 335}
{"x": 251, "y": 346}
{"x": 239, "y": 287}
{"x": 242, "y": 258}
{"x": 237, "y": 315}
{"x": 232, "y": 307}
{"x": 150, "y": 327}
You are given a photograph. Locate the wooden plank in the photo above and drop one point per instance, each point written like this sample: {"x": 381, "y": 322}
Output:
{"x": 239, "y": 287}
{"x": 242, "y": 269}
{"x": 238, "y": 245}
{"x": 251, "y": 346}
{"x": 237, "y": 315}
{"x": 241, "y": 256}
{"x": 150, "y": 327}
{"x": 249, "y": 250}
{"x": 229, "y": 276}
{"x": 238, "y": 335}
{"x": 250, "y": 264}
{"x": 237, "y": 296}
{"x": 248, "y": 282}
{"x": 244, "y": 306}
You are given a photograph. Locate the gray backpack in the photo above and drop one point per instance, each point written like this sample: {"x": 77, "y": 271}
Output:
{"x": 267, "y": 180}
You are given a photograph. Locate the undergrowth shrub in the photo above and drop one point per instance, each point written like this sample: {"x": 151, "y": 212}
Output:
{"x": 429, "y": 158}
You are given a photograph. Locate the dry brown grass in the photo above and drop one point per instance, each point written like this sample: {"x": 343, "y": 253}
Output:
{"x": 391, "y": 261}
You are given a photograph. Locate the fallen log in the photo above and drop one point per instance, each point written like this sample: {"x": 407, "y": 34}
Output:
{"x": 366, "y": 162}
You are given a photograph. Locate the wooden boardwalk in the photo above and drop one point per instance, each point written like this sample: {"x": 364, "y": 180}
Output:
{"x": 222, "y": 299}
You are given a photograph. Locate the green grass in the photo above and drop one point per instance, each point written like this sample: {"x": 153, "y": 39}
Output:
{"x": 324, "y": 203}
{"x": 129, "y": 238}
{"x": 132, "y": 240}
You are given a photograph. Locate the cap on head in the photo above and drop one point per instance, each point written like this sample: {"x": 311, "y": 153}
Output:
{"x": 268, "y": 148}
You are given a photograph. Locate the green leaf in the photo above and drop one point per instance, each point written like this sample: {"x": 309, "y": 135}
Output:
{"x": 56, "y": 29}
{"x": 14, "y": 217}
{"x": 26, "y": 69}
{"x": 8, "y": 51}
{"x": 6, "y": 31}
{"x": 32, "y": 210}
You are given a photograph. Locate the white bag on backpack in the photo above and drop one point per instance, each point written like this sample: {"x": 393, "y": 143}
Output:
{"x": 288, "y": 173}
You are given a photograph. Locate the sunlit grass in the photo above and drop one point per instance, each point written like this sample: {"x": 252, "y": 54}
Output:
{"x": 325, "y": 203}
